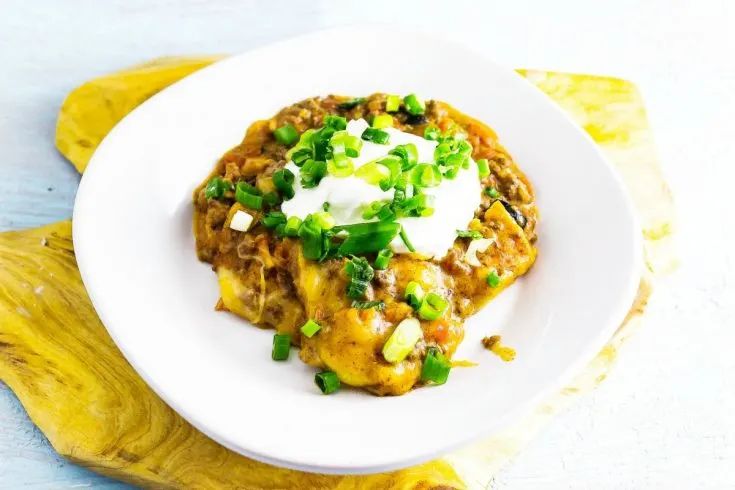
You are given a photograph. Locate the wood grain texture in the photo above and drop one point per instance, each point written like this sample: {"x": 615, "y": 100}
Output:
{"x": 59, "y": 360}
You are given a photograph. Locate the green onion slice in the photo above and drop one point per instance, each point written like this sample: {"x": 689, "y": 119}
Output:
{"x": 432, "y": 133}
{"x": 377, "y": 136}
{"x": 312, "y": 172}
{"x": 216, "y": 188}
{"x": 273, "y": 219}
{"x": 372, "y": 173}
{"x": 414, "y": 294}
{"x": 472, "y": 234}
{"x": 310, "y": 328}
{"x": 336, "y": 122}
{"x": 292, "y": 226}
{"x": 426, "y": 175}
{"x": 244, "y": 197}
{"x": 432, "y": 307}
{"x": 414, "y": 105}
{"x": 351, "y": 144}
{"x": 402, "y": 341}
{"x": 392, "y": 103}
{"x": 483, "y": 168}
{"x": 436, "y": 367}
{"x": 327, "y": 381}
{"x": 408, "y": 154}
{"x": 369, "y": 237}
{"x": 340, "y": 167}
{"x": 406, "y": 241}
{"x": 283, "y": 180}
{"x": 312, "y": 243}
{"x": 493, "y": 279}
{"x": 286, "y": 135}
{"x": 382, "y": 121}
{"x": 324, "y": 220}
{"x": 360, "y": 274}
{"x": 366, "y": 305}
{"x": 492, "y": 192}
{"x": 383, "y": 259}
{"x": 281, "y": 346}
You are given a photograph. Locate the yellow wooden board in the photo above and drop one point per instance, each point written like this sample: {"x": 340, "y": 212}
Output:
{"x": 76, "y": 386}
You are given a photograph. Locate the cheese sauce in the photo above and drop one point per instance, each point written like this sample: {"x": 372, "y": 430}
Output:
{"x": 455, "y": 201}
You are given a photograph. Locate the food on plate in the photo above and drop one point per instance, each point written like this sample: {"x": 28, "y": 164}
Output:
{"x": 493, "y": 344}
{"x": 365, "y": 230}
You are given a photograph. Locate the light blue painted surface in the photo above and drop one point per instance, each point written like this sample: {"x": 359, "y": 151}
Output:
{"x": 657, "y": 422}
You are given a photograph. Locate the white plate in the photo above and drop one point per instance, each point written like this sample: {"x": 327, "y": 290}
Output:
{"x": 134, "y": 245}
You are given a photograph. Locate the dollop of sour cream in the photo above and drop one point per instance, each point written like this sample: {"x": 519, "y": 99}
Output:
{"x": 455, "y": 201}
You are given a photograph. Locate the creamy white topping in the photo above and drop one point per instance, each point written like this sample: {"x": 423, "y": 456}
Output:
{"x": 455, "y": 201}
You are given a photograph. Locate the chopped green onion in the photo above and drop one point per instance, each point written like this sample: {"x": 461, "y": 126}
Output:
{"x": 383, "y": 259}
{"x": 247, "y": 199}
{"x": 325, "y": 206}
{"x": 286, "y": 135}
{"x": 301, "y": 156}
{"x": 324, "y": 220}
{"x": 377, "y": 136}
{"x": 432, "y": 307}
{"x": 426, "y": 175}
{"x": 402, "y": 341}
{"x": 441, "y": 151}
{"x": 321, "y": 142}
{"x": 280, "y": 230}
{"x": 250, "y": 189}
{"x": 408, "y": 153}
{"x": 271, "y": 198}
{"x": 432, "y": 133}
{"x": 340, "y": 167}
{"x": 392, "y": 103}
{"x": 417, "y": 206}
{"x": 336, "y": 122}
{"x": 383, "y": 121}
{"x": 351, "y": 104}
{"x": 281, "y": 346}
{"x": 283, "y": 180}
{"x": 372, "y": 173}
{"x": 436, "y": 367}
{"x": 406, "y": 241}
{"x": 393, "y": 164}
{"x": 360, "y": 274}
{"x": 369, "y": 237}
{"x": 216, "y": 188}
{"x": 310, "y": 328}
{"x": 493, "y": 279}
{"x": 386, "y": 213}
{"x": 312, "y": 173}
{"x": 492, "y": 192}
{"x": 366, "y": 305}
{"x": 273, "y": 219}
{"x": 483, "y": 167}
{"x": 414, "y": 105}
{"x": 303, "y": 149}
{"x": 292, "y": 226}
{"x": 414, "y": 294}
{"x": 327, "y": 381}
{"x": 344, "y": 140}
{"x": 312, "y": 244}
{"x": 474, "y": 235}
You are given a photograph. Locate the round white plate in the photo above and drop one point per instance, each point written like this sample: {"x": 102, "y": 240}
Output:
{"x": 134, "y": 245}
